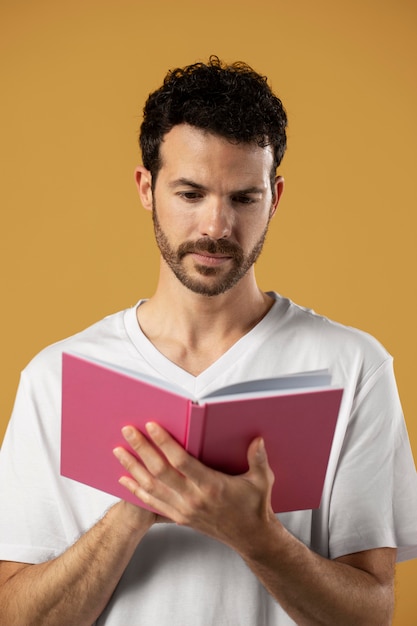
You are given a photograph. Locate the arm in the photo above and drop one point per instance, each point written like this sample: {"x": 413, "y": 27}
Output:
{"x": 353, "y": 590}
{"x": 75, "y": 587}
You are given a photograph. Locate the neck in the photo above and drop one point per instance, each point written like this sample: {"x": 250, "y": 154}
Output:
{"x": 193, "y": 330}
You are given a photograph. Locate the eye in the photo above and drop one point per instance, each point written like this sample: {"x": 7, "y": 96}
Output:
{"x": 243, "y": 199}
{"x": 191, "y": 196}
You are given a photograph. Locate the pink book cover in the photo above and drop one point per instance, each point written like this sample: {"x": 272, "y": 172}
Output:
{"x": 297, "y": 426}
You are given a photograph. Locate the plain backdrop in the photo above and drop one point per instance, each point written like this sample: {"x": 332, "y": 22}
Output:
{"x": 75, "y": 243}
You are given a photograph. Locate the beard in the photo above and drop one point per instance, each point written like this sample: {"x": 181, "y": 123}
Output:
{"x": 221, "y": 281}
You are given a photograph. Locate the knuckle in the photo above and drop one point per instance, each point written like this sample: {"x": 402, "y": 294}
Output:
{"x": 143, "y": 495}
{"x": 158, "y": 468}
{"x": 214, "y": 491}
{"x": 196, "y": 503}
{"x": 270, "y": 476}
{"x": 187, "y": 516}
{"x": 181, "y": 463}
{"x": 129, "y": 463}
{"x": 147, "y": 483}
{"x": 182, "y": 520}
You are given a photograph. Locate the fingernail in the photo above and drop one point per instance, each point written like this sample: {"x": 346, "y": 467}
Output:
{"x": 261, "y": 450}
{"x": 127, "y": 432}
{"x": 151, "y": 428}
{"x": 117, "y": 453}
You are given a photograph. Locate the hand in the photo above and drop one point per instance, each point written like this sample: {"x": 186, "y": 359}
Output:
{"x": 181, "y": 488}
{"x": 138, "y": 518}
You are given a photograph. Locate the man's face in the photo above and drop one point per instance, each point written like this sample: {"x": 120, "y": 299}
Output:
{"x": 211, "y": 203}
{"x": 208, "y": 277}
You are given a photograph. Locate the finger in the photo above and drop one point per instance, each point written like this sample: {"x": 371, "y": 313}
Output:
{"x": 152, "y": 458}
{"x": 257, "y": 453}
{"x": 176, "y": 455}
{"x": 259, "y": 469}
{"x": 139, "y": 475}
{"x": 141, "y": 483}
{"x": 147, "y": 452}
{"x": 155, "y": 475}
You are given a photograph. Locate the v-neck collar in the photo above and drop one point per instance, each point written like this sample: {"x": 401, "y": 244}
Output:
{"x": 165, "y": 368}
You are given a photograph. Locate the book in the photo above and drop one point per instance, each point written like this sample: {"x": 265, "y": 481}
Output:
{"x": 296, "y": 415}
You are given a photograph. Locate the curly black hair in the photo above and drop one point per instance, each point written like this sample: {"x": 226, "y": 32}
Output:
{"x": 232, "y": 101}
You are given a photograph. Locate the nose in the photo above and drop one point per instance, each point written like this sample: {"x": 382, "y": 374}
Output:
{"x": 216, "y": 220}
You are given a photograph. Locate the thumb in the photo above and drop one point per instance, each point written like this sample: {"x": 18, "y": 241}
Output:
{"x": 257, "y": 457}
{"x": 260, "y": 472}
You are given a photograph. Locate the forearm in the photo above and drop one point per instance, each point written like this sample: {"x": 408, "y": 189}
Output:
{"x": 236, "y": 510}
{"x": 75, "y": 587}
{"x": 316, "y": 591}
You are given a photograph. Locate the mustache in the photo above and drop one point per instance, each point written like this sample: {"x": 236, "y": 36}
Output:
{"x": 212, "y": 246}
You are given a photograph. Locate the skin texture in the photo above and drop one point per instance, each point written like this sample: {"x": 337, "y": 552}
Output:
{"x": 214, "y": 202}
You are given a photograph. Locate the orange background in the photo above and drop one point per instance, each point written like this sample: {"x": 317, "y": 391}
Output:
{"x": 75, "y": 243}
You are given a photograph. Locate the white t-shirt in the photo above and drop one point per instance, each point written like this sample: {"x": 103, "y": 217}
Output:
{"x": 178, "y": 577}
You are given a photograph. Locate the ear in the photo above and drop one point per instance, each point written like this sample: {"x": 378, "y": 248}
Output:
{"x": 143, "y": 179}
{"x": 278, "y": 191}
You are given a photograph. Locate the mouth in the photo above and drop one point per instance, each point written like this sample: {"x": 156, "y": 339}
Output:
{"x": 211, "y": 260}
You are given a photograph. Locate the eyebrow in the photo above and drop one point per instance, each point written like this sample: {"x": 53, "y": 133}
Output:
{"x": 190, "y": 183}
{"x": 179, "y": 182}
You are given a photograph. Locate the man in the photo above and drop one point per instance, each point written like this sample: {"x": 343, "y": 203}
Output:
{"x": 212, "y": 138}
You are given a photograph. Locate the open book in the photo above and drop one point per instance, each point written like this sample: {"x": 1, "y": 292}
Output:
{"x": 296, "y": 415}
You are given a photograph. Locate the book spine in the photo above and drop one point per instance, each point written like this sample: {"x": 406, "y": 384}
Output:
{"x": 195, "y": 429}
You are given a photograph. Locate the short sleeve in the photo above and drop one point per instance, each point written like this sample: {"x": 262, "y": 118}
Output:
{"x": 374, "y": 496}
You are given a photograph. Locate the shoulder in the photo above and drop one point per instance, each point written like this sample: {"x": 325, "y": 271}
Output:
{"x": 96, "y": 338}
{"x": 305, "y": 330}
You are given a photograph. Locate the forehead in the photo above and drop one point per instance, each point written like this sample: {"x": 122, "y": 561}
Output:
{"x": 191, "y": 150}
